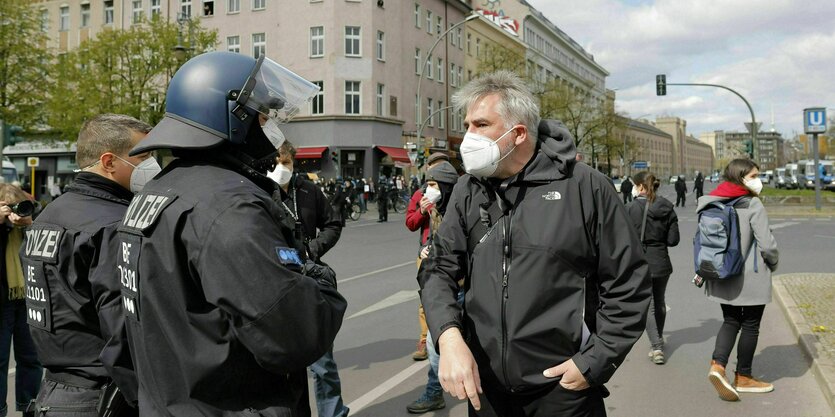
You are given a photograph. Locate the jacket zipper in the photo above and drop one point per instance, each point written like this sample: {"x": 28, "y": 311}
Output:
{"x": 505, "y": 266}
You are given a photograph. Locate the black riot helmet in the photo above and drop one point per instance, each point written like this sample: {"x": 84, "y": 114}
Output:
{"x": 222, "y": 98}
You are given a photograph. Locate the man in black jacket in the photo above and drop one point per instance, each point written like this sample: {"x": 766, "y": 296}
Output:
{"x": 556, "y": 284}
{"x": 681, "y": 191}
{"x": 626, "y": 190}
{"x": 699, "y": 185}
{"x": 317, "y": 229}
{"x": 73, "y": 283}
{"x": 219, "y": 301}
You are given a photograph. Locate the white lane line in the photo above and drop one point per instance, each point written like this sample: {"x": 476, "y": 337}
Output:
{"x": 782, "y": 225}
{"x": 399, "y": 297}
{"x": 385, "y": 387}
{"x": 379, "y": 271}
{"x": 827, "y": 237}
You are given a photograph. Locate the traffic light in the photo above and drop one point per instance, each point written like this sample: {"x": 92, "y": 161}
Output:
{"x": 661, "y": 85}
{"x": 749, "y": 148}
{"x": 421, "y": 159}
{"x": 335, "y": 157}
{"x": 11, "y": 134}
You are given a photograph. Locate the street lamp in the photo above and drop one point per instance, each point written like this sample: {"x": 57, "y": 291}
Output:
{"x": 181, "y": 52}
{"x": 423, "y": 68}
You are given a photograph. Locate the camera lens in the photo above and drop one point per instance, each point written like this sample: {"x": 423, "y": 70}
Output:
{"x": 24, "y": 208}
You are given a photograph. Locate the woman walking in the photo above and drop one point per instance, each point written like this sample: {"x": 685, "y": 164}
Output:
{"x": 656, "y": 222}
{"x": 743, "y": 297}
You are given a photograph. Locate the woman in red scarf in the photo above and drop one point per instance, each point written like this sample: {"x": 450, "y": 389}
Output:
{"x": 743, "y": 297}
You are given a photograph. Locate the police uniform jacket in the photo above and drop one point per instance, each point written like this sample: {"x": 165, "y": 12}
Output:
{"x": 218, "y": 317}
{"x": 72, "y": 286}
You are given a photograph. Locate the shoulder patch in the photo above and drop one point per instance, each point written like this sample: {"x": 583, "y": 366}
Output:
{"x": 288, "y": 256}
{"x": 144, "y": 211}
{"x": 42, "y": 243}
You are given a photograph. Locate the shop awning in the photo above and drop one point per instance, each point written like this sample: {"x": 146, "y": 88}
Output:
{"x": 396, "y": 154}
{"x": 312, "y": 152}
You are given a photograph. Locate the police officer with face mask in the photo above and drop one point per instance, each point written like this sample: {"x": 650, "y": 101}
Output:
{"x": 221, "y": 318}
{"x": 73, "y": 292}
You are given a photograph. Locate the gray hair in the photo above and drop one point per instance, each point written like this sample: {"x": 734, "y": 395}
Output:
{"x": 516, "y": 105}
{"x": 106, "y": 133}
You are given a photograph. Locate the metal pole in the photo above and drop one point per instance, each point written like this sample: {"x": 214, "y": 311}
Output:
{"x": 817, "y": 172}
{"x": 754, "y": 143}
{"x": 420, "y": 75}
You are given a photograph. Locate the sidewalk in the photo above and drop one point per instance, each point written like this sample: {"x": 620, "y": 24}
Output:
{"x": 808, "y": 300}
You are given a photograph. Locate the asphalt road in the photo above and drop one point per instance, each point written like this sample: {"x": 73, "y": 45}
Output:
{"x": 375, "y": 263}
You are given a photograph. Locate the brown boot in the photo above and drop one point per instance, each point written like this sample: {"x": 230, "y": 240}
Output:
{"x": 745, "y": 383}
{"x": 720, "y": 382}
{"x": 420, "y": 354}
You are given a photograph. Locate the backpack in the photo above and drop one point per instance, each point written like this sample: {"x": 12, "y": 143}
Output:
{"x": 717, "y": 247}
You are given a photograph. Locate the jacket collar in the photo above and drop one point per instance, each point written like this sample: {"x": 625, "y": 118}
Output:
{"x": 95, "y": 185}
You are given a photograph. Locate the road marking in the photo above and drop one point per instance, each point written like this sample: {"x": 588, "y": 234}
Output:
{"x": 827, "y": 237}
{"x": 385, "y": 387}
{"x": 782, "y": 225}
{"x": 392, "y": 300}
{"x": 379, "y": 271}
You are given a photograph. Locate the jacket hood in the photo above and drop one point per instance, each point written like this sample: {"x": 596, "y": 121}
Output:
{"x": 660, "y": 208}
{"x": 555, "y": 154}
{"x": 443, "y": 172}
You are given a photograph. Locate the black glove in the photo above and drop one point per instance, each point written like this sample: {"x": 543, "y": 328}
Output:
{"x": 323, "y": 274}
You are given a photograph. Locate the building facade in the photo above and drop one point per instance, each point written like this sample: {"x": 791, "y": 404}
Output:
{"x": 699, "y": 157}
{"x": 769, "y": 143}
{"x": 645, "y": 143}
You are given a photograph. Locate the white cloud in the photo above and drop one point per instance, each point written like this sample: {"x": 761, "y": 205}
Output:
{"x": 777, "y": 53}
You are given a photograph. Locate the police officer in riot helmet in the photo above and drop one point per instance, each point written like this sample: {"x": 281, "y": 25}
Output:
{"x": 73, "y": 284}
{"x": 218, "y": 302}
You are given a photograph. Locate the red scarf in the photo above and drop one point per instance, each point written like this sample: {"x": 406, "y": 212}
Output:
{"x": 730, "y": 190}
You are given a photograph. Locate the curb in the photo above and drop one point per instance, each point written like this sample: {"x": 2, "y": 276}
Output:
{"x": 822, "y": 367}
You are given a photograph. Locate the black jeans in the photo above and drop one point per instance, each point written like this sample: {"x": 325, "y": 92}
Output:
{"x": 744, "y": 318}
{"x": 657, "y": 312}
{"x": 680, "y": 198}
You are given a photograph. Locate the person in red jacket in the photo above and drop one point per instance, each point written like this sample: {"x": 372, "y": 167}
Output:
{"x": 417, "y": 218}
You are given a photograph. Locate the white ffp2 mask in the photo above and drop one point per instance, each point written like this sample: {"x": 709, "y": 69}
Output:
{"x": 280, "y": 174}
{"x": 432, "y": 194}
{"x": 142, "y": 173}
{"x": 755, "y": 185}
{"x": 481, "y": 154}
{"x": 273, "y": 133}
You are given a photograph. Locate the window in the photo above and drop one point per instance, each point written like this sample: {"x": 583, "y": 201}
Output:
{"x": 156, "y": 7}
{"x": 417, "y": 61}
{"x": 417, "y": 111}
{"x": 352, "y": 97}
{"x": 64, "y": 23}
{"x": 381, "y": 46}
{"x": 439, "y": 27}
{"x": 429, "y": 115}
{"x": 428, "y": 69}
{"x": 459, "y": 37}
{"x": 85, "y": 15}
{"x": 185, "y": 8}
{"x": 417, "y": 15}
{"x": 452, "y": 38}
{"x": 44, "y": 20}
{"x": 381, "y": 93}
{"x": 233, "y": 44}
{"x": 259, "y": 4}
{"x": 318, "y": 103}
{"x": 352, "y": 41}
{"x": 208, "y": 8}
{"x": 452, "y": 81}
{"x": 429, "y": 22}
{"x": 441, "y": 114}
{"x": 478, "y": 47}
{"x": 259, "y": 44}
{"x": 108, "y": 12}
{"x": 441, "y": 70}
{"x": 460, "y": 75}
{"x": 233, "y": 6}
{"x": 137, "y": 11}
{"x": 469, "y": 42}
{"x": 393, "y": 106}
{"x": 317, "y": 41}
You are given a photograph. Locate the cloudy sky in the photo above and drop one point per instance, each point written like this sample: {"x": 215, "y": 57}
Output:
{"x": 779, "y": 54}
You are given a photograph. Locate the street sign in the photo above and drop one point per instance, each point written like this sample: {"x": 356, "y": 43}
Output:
{"x": 640, "y": 165}
{"x": 32, "y": 161}
{"x": 814, "y": 120}
{"x": 412, "y": 156}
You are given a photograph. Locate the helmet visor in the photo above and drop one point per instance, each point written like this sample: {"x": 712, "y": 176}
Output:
{"x": 279, "y": 93}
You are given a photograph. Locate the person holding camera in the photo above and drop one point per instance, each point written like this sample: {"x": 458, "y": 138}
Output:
{"x": 73, "y": 284}
{"x": 16, "y": 210}
{"x": 317, "y": 230}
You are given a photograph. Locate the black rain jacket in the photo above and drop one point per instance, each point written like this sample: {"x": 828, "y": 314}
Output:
{"x": 218, "y": 315}
{"x": 661, "y": 232}
{"x": 72, "y": 286}
{"x": 562, "y": 261}
{"x": 322, "y": 227}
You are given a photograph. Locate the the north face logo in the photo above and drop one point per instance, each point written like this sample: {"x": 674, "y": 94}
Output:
{"x": 552, "y": 195}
